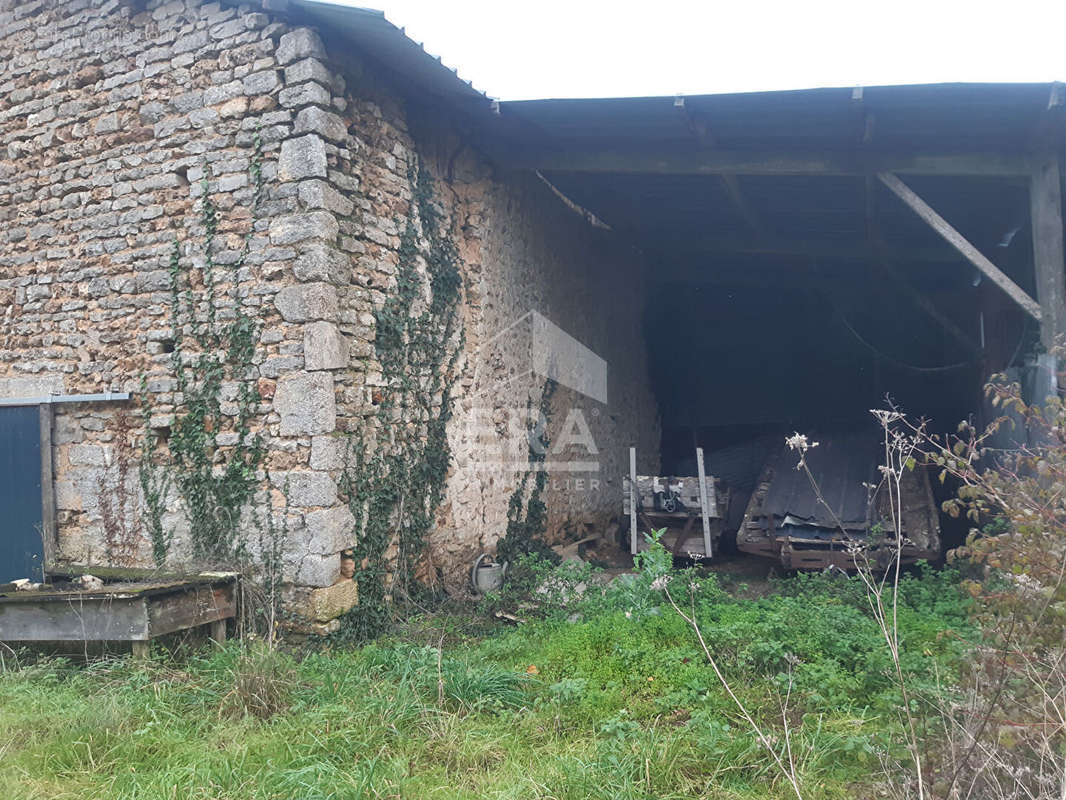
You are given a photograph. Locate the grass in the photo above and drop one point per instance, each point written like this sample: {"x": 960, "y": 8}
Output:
{"x": 615, "y": 704}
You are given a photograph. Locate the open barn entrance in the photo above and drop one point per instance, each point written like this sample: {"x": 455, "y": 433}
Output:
{"x": 814, "y": 255}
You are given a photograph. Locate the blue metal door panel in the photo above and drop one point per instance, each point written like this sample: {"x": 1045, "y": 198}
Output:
{"x": 21, "y": 546}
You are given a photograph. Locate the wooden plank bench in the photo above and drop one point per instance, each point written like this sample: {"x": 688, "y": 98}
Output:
{"x": 134, "y": 612}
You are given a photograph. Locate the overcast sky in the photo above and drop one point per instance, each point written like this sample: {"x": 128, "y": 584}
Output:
{"x": 520, "y": 49}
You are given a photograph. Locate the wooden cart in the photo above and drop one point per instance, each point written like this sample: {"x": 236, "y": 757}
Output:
{"x": 134, "y": 612}
{"x": 675, "y": 505}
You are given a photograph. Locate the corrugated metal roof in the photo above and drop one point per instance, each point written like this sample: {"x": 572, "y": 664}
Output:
{"x": 374, "y": 37}
{"x": 961, "y": 116}
{"x": 936, "y": 117}
{"x": 841, "y": 465}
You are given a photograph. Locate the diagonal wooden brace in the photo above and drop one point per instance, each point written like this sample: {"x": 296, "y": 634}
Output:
{"x": 960, "y": 243}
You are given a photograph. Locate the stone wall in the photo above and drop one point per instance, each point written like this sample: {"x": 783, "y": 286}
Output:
{"x": 111, "y": 113}
{"x": 536, "y": 256}
{"x": 525, "y": 252}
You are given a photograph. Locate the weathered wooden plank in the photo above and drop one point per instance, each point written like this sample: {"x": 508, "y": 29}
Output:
{"x": 703, "y": 504}
{"x": 633, "y": 495}
{"x": 218, "y": 631}
{"x": 117, "y": 573}
{"x": 79, "y": 618}
{"x": 1045, "y": 202}
{"x": 48, "y": 503}
{"x": 960, "y": 243}
{"x": 199, "y": 605}
{"x": 111, "y": 591}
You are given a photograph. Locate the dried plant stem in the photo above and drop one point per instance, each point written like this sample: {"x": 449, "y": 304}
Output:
{"x": 789, "y": 770}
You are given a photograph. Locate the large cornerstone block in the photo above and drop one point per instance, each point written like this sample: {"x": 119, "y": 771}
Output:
{"x": 304, "y": 157}
{"x": 329, "y": 530}
{"x": 306, "y": 302}
{"x": 306, "y": 403}
{"x": 324, "y": 347}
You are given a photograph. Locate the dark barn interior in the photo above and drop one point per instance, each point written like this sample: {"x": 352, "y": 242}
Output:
{"x": 789, "y": 287}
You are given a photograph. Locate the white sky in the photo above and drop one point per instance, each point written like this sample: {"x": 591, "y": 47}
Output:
{"x": 521, "y": 49}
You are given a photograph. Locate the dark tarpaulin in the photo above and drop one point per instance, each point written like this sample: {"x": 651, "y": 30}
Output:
{"x": 842, "y": 467}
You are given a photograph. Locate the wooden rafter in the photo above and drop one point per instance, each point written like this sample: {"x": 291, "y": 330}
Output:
{"x": 754, "y": 162}
{"x": 700, "y": 129}
{"x": 884, "y": 261}
{"x": 960, "y": 243}
{"x": 740, "y": 204}
{"x": 925, "y": 304}
{"x": 817, "y": 249}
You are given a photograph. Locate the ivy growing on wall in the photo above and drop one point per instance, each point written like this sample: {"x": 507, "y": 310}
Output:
{"x": 211, "y": 359}
{"x": 527, "y": 514}
{"x": 397, "y": 465}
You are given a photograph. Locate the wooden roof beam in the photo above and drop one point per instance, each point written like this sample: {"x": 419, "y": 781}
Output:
{"x": 816, "y": 249}
{"x": 701, "y": 131}
{"x": 1045, "y": 204}
{"x": 671, "y": 161}
{"x": 927, "y": 306}
{"x": 875, "y": 238}
{"x": 1046, "y": 201}
{"x": 740, "y": 204}
{"x": 960, "y": 243}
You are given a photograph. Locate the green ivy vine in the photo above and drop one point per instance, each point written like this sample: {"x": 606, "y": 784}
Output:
{"x": 397, "y": 464}
{"x": 527, "y": 514}
{"x": 211, "y": 360}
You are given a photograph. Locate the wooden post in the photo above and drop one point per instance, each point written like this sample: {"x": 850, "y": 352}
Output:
{"x": 960, "y": 243}
{"x": 704, "y": 511}
{"x": 218, "y": 631}
{"x": 48, "y": 503}
{"x": 1045, "y": 203}
{"x": 140, "y": 649}
{"x": 633, "y": 501}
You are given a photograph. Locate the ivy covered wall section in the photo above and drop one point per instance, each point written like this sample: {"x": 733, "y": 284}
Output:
{"x": 316, "y": 350}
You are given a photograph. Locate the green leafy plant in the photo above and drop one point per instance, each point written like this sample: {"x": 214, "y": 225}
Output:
{"x": 211, "y": 359}
{"x": 397, "y": 464}
{"x": 537, "y": 587}
{"x": 527, "y": 514}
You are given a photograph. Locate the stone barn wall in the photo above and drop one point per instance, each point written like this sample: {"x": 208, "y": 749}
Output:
{"x": 112, "y": 112}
